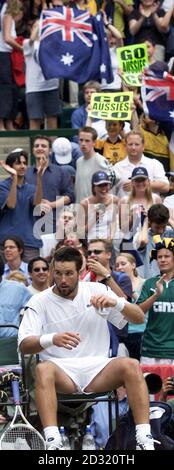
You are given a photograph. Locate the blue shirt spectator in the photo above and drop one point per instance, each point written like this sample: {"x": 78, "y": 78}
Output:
{"x": 13, "y": 251}
{"x": 13, "y": 297}
{"x": 23, "y": 268}
{"x": 56, "y": 182}
{"x": 79, "y": 116}
{"x": 19, "y": 220}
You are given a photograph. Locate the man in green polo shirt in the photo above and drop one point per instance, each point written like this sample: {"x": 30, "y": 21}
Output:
{"x": 157, "y": 297}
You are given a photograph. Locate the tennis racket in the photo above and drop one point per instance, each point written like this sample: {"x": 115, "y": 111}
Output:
{"x": 20, "y": 436}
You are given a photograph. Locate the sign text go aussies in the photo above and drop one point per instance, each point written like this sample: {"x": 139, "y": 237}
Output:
{"x": 111, "y": 106}
{"x": 132, "y": 60}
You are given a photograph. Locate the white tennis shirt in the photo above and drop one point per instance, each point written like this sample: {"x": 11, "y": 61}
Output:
{"x": 49, "y": 313}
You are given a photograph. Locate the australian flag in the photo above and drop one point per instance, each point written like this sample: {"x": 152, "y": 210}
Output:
{"x": 74, "y": 46}
{"x": 158, "y": 100}
{"x": 158, "y": 95}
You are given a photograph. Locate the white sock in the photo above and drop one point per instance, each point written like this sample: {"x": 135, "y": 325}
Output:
{"x": 143, "y": 429}
{"x": 52, "y": 432}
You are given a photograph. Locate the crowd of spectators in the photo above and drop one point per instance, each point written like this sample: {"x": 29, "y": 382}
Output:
{"x": 109, "y": 191}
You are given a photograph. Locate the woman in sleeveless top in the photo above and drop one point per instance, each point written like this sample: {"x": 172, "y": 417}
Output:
{"x": 133, "y": 208}
{"x": 100, "y": 209}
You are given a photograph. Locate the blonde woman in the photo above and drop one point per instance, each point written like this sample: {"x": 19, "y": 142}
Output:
{"x": 11, "y": 12}
{"x": 133, "y": 208}
{"x": 17, "y": 276}
{"x": 126, "y": 263}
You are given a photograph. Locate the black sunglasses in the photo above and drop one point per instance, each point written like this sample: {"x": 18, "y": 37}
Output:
{"x": 36, "y": 270}
{"x": 96, "y": 252}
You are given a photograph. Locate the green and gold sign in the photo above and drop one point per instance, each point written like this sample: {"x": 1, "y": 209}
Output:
{"x": 132, "y": 60}
{"x": 111, "y": 106}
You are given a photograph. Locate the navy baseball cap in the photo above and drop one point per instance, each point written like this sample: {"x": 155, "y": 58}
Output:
{"x": 136, "y": 254}
{"x": 100, "y": 177}
{"x": 139, "y": 172}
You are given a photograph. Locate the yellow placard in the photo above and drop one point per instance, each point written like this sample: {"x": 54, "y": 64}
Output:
{"x": 111, "y": 106}
{"x": 132, "y": 60}
{"x": 132, "y": 79}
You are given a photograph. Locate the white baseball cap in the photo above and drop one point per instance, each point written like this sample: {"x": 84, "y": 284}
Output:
{"x": 62, "y": 150}
{"x": 17, "y": 150}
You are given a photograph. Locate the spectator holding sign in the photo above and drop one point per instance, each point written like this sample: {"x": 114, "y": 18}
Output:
{"x": 113, "y": 147}
{"x": 80, "y": 118}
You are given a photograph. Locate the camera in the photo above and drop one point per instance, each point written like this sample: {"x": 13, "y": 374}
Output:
{"x": 171, "y": 392}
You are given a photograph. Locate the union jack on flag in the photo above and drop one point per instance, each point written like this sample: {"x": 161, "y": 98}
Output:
{"x": 73, "y": 45}
{"x": 65, "y": 22}
{"x": 158, "y": 95}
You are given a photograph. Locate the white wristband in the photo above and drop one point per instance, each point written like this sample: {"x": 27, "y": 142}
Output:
{"x": 46, "y": 340}
{"x": 121, "y": 301}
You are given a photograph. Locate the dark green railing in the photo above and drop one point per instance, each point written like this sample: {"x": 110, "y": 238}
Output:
{"x": 51, "y": 132}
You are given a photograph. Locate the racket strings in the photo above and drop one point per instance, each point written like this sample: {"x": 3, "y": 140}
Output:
{"x": 6, "y": 377}
{"x": 22, "y": 438}
{"x": 3, "y": 396}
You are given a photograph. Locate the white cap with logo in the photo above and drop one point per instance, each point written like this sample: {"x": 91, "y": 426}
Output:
{"x": 63, "y": 150}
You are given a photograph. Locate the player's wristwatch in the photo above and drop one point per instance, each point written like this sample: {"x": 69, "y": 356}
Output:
{"x": 107, "y": 277}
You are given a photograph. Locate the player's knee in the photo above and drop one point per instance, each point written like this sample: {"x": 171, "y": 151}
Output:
{"x": 44, "y": 372}
{"x": 132, "y": 367}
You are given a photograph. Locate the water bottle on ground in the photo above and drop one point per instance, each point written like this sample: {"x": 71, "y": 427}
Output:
{"x": 65, "y": 439}
{"x": 88, "y": 440}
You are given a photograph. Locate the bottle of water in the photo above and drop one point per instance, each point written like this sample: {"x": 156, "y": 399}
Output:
{"x": 64, "y": 437}
{"x": 88, "y": 440}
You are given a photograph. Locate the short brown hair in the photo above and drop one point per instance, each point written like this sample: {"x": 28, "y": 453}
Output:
{"x": 92, "y": 84}
{"x": 68, "y": 253}
{"x": 89, "y": 130}
{"x": 42, "y": 137}
{"x": 107, "y": 243}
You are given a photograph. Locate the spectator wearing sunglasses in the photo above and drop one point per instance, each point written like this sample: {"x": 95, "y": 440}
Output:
{"x": 38, "y": 269}
{"x": 99, "y": 254}
{"x": 100, "y": 208}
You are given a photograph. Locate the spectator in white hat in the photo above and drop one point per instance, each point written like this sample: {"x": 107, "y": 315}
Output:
{"x": 63, "y": 154}
{"x": 62, "y": 150}
{"x": 75, "y": 149}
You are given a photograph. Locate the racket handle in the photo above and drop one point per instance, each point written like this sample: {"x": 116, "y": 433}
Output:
{"x": 15, "y": 390}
